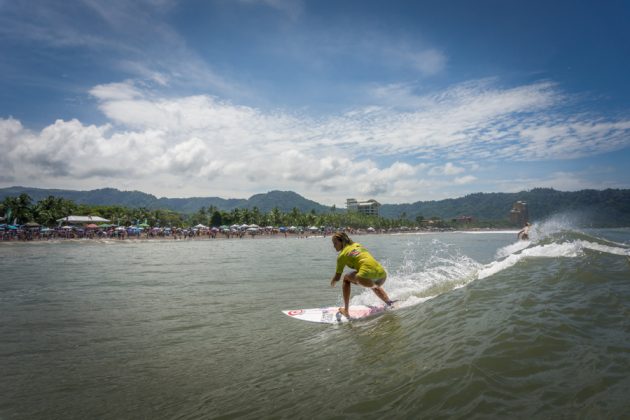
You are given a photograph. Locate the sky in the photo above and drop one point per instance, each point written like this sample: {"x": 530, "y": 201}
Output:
{"x": 398, "y": 101}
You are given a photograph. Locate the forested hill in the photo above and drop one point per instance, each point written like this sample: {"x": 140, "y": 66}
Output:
{"x": 609, "y": 207}
{"x": 598, "y": 207}
{"x": 283, "y": 200}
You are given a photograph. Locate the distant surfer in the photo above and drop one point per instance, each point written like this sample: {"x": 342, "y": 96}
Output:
{"x": 524, "y": 233}
{"x": 368, "y": 272}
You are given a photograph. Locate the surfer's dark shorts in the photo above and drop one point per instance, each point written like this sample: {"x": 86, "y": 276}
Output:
{"x": 380, "y": 282}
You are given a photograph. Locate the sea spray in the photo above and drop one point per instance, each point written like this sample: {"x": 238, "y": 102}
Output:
{"x": 558, "y": 223}
{"x": 420, "y": 278}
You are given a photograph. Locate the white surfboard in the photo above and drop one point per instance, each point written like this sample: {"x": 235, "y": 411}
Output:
{"x": 331, "y": 315}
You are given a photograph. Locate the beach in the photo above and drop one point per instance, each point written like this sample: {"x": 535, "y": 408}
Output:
{"x": 24, "y": 234}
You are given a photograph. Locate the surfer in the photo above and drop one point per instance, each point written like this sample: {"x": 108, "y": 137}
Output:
{"x": 369, "y": 273}
{"x": 523, "y": 234}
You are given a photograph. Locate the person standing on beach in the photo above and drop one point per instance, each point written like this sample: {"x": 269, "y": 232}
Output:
{"x": 369, "y": 273}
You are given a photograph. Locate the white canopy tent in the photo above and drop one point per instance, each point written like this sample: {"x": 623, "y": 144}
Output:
{"x": 82, "y": 219}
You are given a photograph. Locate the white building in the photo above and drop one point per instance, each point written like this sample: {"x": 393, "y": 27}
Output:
{"x": 369, "y": 207}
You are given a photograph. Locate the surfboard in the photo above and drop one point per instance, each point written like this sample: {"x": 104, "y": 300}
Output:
{"x": 331, "y": 315}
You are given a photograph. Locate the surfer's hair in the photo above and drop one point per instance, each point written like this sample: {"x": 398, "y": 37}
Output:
{"x": 343, "y": 238}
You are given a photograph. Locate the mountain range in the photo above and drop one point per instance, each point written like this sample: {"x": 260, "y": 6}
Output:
{"x": 610, "y": 207}
{"x": 284, "y": 200}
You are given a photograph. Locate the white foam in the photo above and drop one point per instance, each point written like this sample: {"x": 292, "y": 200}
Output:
{"x": 511, "y": 249}
{"x": 563, "y": 250}
{"x": 445, "y": 269}
{"x": 417, "y": 281}
{"x": 593, "y": 246}
{"x": 486, "y": 232}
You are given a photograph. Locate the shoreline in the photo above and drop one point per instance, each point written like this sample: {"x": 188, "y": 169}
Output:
{"x": 133, "y": 239}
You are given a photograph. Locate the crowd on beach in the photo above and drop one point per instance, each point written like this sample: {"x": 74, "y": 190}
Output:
{"x": 39, "y": 233}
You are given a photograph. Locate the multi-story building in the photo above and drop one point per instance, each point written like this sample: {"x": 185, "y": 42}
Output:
{"x": 369, "y": 207}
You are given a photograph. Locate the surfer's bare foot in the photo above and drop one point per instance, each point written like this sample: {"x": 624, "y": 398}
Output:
{"x": 343, "y": 312}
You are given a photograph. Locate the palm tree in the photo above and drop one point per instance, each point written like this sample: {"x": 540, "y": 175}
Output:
{"x": 216, "y": 219}
{"x": 48, "y": 210}
{"x": 275, "y": 217}
{"x": 18, "y": 208}
{"x": 255, "y": 216}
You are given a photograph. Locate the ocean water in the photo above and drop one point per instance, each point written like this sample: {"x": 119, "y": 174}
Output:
{"x": 489, "y": 328}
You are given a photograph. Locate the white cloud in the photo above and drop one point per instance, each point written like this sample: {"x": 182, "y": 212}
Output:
{"x": 116, "y": 91}
{"x": 447, "y": 169}
{"x": 588, "y": 178}
{"x": 175, "y": 146}
{"x": 429, "y": 61}
{"x": 463, "y": 180}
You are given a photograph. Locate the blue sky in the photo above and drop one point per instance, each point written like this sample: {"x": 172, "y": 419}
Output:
{"x": 400, "y": 101}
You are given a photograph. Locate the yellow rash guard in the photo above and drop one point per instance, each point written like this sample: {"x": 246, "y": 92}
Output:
{"x": 358, "y": 258}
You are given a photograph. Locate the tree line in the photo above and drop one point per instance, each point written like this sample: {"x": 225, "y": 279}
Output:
{"x": 21, "y": 209}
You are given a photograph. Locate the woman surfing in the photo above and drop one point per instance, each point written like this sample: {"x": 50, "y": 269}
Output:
{"x": 368, "y": 272}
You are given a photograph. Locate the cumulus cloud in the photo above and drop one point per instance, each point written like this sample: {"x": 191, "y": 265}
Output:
{"x": 447, "y": 169}
{"x": 462, "y": 180}
{"x": 179, "y": 145}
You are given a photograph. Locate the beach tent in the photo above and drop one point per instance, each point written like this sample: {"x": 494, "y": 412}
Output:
{"x": 200, "y": 226}
{"x": 82, "y": 219}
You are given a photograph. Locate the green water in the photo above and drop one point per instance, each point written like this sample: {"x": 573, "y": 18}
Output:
{"x": 177, "y": 329}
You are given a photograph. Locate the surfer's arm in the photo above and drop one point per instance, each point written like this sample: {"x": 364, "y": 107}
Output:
{"x": 335, "y": 279}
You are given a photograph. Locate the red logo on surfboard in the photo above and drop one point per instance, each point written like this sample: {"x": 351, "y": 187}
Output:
{"x": 295, "y": 312}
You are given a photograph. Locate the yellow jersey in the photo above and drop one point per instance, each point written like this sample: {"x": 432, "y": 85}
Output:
{"x": 358, "y": 258}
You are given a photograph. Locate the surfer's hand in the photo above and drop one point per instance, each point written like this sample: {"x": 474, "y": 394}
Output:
{"x": 333, "y": 282}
